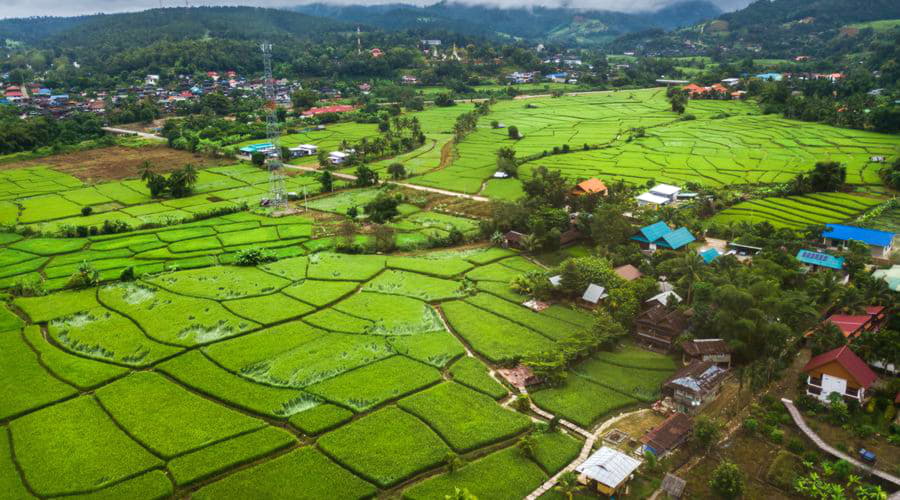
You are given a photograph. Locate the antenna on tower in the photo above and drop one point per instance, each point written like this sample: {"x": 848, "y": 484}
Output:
{"x": 277, "y": 195}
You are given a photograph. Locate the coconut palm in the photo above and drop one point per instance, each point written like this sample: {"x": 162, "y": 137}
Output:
{"x": 568, "y": 484}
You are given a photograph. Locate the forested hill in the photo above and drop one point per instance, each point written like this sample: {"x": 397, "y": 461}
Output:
{"x": 140, "y": 29}
{"x": 572, "y": 26}
{"x": 777, "y": 28}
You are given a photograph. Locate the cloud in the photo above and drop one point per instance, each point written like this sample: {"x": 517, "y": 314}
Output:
{"x": 26, "y": 8}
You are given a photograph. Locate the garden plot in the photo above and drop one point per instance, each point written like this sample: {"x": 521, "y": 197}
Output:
{"x": 407, "y": 316}
{"x": 463, "y": 418}
{"x": 80, "y": 372}
{"x": 797, "y": 212}
{"x": 341, "y": 267}
{"x": 305, "y": 470}
{"x": 185, "y": 423}
{"x": 74, "y": 447}
{"x": 498, "y": 339}
{"x": 472, "y": 373}
{"x": 435, "y": 348}
{"x": 297, "y": 355}
{"x": 385, "y": 447}
{"x": 581, "y": 401}
{"x": 27, "y": 385}
{"x": 414, "y": 285}
{"x": 189, "y": 321}
{"x": 212, "y": 283}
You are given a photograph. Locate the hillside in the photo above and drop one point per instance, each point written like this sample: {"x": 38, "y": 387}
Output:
{"x": 140, "y": 29}
{"x": 782, "y": 28}
{"x": 568, "y": 25}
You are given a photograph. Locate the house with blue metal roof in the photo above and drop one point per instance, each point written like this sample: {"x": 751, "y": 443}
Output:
{"x": 818, "y": 260}
{"x": 773, "y": 77}
{"x": 881, "y": 243}
{"x": 709, "y": 255}
{"x": 660, "y": 235}
{"x": 264, "y": 147}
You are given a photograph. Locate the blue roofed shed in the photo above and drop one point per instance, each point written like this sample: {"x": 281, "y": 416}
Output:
{"x": 709, "y": 255}
{"x": 881, "y": 243}
{"x": 677, "y": 238}
{"x": 818, "y": 259}
{"x": 253, "y": 148}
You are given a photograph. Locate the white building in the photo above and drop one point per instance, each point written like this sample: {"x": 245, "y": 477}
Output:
{"x": 666, "y": 191}
{"x": 337, "y": 157}
{"x": 304, "y": 150}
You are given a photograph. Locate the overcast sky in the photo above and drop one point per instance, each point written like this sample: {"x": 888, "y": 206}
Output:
{"x": 25, "y": 8}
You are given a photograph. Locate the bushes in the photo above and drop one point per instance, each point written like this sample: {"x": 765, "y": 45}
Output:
{"x": 254, "y": 256}
{"x": 727, "y": 481}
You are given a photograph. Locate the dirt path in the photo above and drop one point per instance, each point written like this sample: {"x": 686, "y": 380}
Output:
{"x": 125, "y": 131}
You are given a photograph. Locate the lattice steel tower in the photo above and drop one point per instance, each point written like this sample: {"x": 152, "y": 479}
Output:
{"x": 277, "y": 194}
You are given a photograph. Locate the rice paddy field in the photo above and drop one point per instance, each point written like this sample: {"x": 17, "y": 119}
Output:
{"x": 729, "y": 143}
{"x": 797, "y": 212}
{"x": 349, "y": 376}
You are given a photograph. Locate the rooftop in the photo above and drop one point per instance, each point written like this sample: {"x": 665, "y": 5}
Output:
{"x": 697, "y": 377}
{"x": 678, "y": 238}
{"x": 594, "y": 293}
{"x": 700, "y": 347}
{"x": 609, "y": 466}
{"x": 665, "y": 189}
{"x": 847, "y": 359}
{"x": 668, "y": 434}
{"x": 631, "y": 273}
{"x": 867, "y": 236}
{"x": 820, "y": 259}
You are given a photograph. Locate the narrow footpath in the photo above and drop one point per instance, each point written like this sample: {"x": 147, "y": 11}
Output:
{"x": 801, "y": 423}
{"x": 125, "y": 131}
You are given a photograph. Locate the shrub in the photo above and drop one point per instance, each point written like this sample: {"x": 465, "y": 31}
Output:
{"x": 28, "y": 287}
{"x": 513, "y": 132}
{"x": 751, "y": 425}
{"x": 87, "y": 211}
{"x": 863, "y": 431}
{"x": 254, "y": 256}
{"x": 727, "y": 481}
{"x": 777, "y": 435}
{"x": 795, "y": 445}
{"x": 127, "y": 274}
{"x": 85, "y": 276}
{"x": 522, "y": 402}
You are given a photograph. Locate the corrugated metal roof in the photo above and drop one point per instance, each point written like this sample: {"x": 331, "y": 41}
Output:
{"x": 892, "y": 276}
{"x": 655, "y": 231}
{"x": 678, "y": 238}
{"x": 665, "y": 189}
{"x": 820, "y": 259}
{"x": 594, "y": 293}
{"x": 709, "y": 255}
{"x": 652, "y": 198}
{"x": 867, "y": 236}
{"x": 609, "y": 467}
{"x": 663, "y": 298}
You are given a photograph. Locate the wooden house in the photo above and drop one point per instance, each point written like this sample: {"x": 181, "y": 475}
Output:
{"x": 695, "y": 385}
{"x": 608, "y": 471}
{"x": 838, "y": 371}
{"x": 659, "y": 327}
{"x": 668, "y": 435}
{"x": 715, "y": 350}
{"x": 590, "y": 186}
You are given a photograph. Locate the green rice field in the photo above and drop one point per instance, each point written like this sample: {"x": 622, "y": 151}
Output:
{"x": 729, "y": 143}
{"x": 332, "y": 364}
{"x": 797, "y": 212}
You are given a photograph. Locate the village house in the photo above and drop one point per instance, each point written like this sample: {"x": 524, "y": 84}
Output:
{"x": 672, "y": 485}
{"x": 881, "y": 243}
{"x": 854, "y": 325}
{"x": 513, "y": 239}
{"x": 303, "y": 150}
{"x": 813, "y": 261}
{"x": 658, "y": 326}
{"x": 694, "y": 386}
{"x": 608, "y": 471}
{"x": 593, "y": 295}
{"x": 663, "y": 298}
{"x": 668, "y": 435}
{"x": 715, "y": 350}
{"x": 660, "y": 235}
{"x": 338, "y": 157}
{"x": 838, "y": 371}
{"x": 628, "y": 272}
{"x": 660, "y": 194}
{"x": 709, "y": 255}
{"x": 590, "y": 186}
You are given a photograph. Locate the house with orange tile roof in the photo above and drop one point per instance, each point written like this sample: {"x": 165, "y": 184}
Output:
{"x": 590, "y": 186}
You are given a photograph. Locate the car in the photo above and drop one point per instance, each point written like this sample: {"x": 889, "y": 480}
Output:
{"x": 867, "y": 456}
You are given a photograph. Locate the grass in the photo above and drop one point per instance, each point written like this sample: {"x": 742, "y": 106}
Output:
{"x": 471, "y": 373}
{"x": 196, "y": 371}
{"x": 296, "y": 355}
{"x": 373, "y": 384}
{"x": 82, "y": 373}
{"x": 10, "y": 480}
{"x": 414, "y": 285}
{"x": 464, "y": 418}
{"x": 27, "y": 386}
{"x": 555, "y": 450}
{"x": 320, "y": 293}
{"x": 320, "y": 418}
{"x": 639, "y": 384}
{"x": 545, "y": 325}
{"x": 153, "y": 484}
{"x": 506, "y": 474}
{"x": 74, "y": 447}
{"x": 212, "y": 283}
{"x": 502, "y": 341}
{"x": 631, "y": 356}
{"x": 213, "y": 459}
{"x": 190, "y": 321}
{"x": 186, "y": 422}
{"x": 268, "y": 309}
{"x": 797, "y": 212}
{"x": 431, "y": 264}
{"x": 385, "y": 447}
{"x": 581, "y": 401}
{"x": 304, "y": 470}
{"x": 407, "y": 316}
{"x": 340, "y": 267}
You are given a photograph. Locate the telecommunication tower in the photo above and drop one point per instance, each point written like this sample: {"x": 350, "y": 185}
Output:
{"x": 277, "y": 195}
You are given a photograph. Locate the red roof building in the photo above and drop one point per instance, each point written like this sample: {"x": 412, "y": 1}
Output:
{"x": 376, "y": 52}
{"x": 693, "y": 88}
{"x": 853, "y": 325}
{"x": 840, "y": 371}
{"x": 590, "y": 186}
{"x": 339, "y": 108}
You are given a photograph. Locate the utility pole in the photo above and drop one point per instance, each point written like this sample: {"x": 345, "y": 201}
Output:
{"x": 358, "y": 42}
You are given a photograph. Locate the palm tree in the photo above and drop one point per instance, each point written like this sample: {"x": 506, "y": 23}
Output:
{"x": 190, "y": 174}
{"x": 568, "y": 484}
{"x": 877, "y": 292}
{"x": 851, "y": 301}
{"x": 530, "y": 244}
{"x": 824, "y": 287}
{"x": 688, "y": 269}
